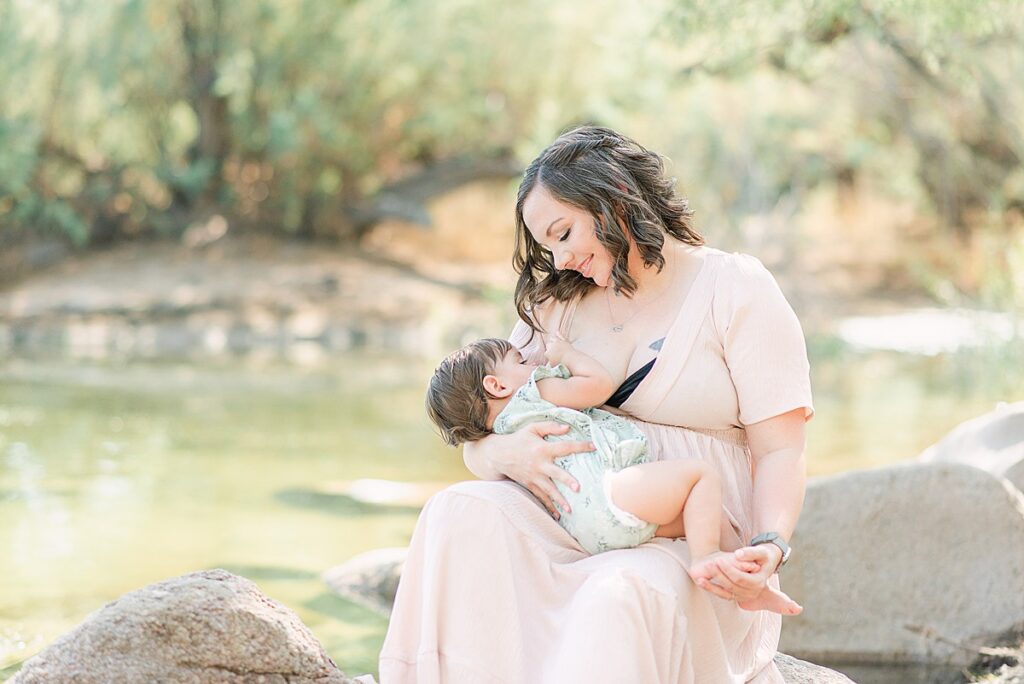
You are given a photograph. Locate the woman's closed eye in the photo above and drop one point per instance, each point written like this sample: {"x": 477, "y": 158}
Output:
{"x": 564, "y": 236}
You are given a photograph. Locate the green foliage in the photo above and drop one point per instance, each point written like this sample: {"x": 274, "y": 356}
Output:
{"x": 136, "y": 116}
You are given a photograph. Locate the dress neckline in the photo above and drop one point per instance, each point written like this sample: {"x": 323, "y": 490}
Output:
{"x": 678, "y": 342}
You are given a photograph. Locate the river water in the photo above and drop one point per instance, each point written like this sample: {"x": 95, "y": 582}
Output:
{"x": 115, "y": 474}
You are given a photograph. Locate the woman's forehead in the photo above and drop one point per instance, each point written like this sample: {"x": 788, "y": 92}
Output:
{"x": 541, "y": 210}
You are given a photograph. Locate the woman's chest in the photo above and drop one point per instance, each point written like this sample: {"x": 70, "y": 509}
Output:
{"x": 620, "y": 354}
{"x": 690, "y": 386}
{"x": 622, "y": 344}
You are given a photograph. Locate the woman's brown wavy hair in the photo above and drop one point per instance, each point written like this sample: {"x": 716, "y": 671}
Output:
{"x": 619, "y": 183}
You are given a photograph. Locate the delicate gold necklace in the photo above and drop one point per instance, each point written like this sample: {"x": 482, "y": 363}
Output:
{"x": 619, "y": 327}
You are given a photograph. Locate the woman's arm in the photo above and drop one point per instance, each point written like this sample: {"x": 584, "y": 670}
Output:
{"x": 526, "y": 457}
{"x": 777, "y": 448}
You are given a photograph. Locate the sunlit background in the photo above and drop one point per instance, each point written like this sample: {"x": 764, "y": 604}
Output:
{"x": 235, "y": 238}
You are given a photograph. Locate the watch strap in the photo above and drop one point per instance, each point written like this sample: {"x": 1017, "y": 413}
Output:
{"x": 776, "y": 539}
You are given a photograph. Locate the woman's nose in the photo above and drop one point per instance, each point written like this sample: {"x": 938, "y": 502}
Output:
{"x": 562, "y": 259}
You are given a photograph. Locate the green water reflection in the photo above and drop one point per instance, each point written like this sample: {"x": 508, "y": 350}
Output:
{"x": 117, "y": 475}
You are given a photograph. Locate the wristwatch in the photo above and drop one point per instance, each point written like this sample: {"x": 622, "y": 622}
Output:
{"x": 773, "y": 538}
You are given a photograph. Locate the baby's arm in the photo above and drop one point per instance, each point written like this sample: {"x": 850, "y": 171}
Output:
{"x": 590, "y": 384}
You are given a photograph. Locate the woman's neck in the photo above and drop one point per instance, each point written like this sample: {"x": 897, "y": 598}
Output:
{"x": 650, "y": 281}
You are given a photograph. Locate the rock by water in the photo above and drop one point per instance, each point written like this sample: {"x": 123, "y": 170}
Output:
{"x": 919, "y": 563}
{"x": 208, "y": 627}
{"x": 993, "y": 442}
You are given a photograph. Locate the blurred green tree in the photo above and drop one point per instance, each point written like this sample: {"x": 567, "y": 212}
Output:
{"x": 315, "y": 119}
{"x": 938, "y": 80}
{"x": 141, "y": 117}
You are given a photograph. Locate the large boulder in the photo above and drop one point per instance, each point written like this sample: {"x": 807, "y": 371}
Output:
{"x": 369, "y": 579}
{"x": 800, "y": 672}
{"x": 207, "y": 627}
{"x": 993, "y": 442}
{"x": 914, "y": 563}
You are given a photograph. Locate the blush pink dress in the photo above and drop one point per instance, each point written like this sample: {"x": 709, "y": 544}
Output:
{"x": 494, "y": 590}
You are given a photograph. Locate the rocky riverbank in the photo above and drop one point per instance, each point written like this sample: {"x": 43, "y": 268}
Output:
{"x": 213, "y": 627}
{"x": 248, "y": 295}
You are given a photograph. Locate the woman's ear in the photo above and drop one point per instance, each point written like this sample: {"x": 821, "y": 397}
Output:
{"x": 495, "y": 388}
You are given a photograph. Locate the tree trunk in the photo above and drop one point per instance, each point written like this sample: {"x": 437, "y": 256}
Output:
{"x": 201, "y": 35}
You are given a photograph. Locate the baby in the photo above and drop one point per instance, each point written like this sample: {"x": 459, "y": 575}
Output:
{"x": 624, "y": 499}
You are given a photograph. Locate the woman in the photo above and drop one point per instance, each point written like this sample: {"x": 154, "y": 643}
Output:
{"x": 713, "y": 365}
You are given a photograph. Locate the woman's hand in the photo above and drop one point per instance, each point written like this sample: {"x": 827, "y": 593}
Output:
{"x": 526, "y": 457}
{"x": 731, "y": 582}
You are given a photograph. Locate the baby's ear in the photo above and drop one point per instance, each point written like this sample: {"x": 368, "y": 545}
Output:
{"x": 495, "y": 388}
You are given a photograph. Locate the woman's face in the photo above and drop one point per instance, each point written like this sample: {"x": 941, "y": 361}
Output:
{"x": 568, "y": 233}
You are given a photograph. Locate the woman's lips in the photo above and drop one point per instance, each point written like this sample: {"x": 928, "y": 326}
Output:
{"x": 584, "y": 268}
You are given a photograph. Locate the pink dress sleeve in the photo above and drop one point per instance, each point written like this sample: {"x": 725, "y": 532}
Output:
{"x": 764, "y": 346}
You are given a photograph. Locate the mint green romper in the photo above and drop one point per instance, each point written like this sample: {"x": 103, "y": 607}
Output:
{"x": 595, "y": 522}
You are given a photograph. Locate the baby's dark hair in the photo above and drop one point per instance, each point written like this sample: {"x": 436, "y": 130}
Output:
{"x": 456, "y": 399}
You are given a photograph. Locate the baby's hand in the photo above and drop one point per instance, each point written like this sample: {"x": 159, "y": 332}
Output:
{"x": 557, "y": 349}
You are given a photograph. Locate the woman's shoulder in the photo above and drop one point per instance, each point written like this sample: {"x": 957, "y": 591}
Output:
{"x": 743, "y": 283}
{"x": 736, "y": 265}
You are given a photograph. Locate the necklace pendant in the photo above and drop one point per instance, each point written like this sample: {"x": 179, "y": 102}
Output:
{"x": 616, "y": 328}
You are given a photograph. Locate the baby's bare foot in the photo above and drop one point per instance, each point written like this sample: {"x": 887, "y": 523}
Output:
{"x": 772, "y": 600}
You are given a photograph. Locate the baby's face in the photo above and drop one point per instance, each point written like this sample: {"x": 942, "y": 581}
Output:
{"x": 512, "y": 371}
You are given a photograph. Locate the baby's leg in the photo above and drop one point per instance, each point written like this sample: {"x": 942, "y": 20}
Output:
{"x": 683, "y": 496}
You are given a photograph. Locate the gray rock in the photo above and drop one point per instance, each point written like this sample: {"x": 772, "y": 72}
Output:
{"x": 207, "y": 627}
{"x": 369, "y": 579}
{"x": 915, "y": 563}
{"x": 801, "y": 672}
{"x": 993, "y": 442}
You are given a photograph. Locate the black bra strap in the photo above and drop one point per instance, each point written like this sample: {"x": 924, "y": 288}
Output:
{"x": 630, "y": 384}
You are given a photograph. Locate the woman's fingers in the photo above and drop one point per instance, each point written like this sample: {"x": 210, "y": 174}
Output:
{"x": 561, "y": 474}
{"x": 718, "y": 584}
{"x": 746, "y": 585}
{"x": 560, "y": 449}
{"x": 540, "y": 473}
{"x": 746, "y": 566}
{"x": 544, "y": 499}
{"x": 763, "y": 554}
{"x": 549, "y": 427}
{"x": 737, "y": 576}
{"x": 565, "y": 478}
{"x": 714, "y": 589}
{"x": 723, "y": 580}
{"x": 556, "y": 473}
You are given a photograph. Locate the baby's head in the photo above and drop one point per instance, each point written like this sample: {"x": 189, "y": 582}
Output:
{"x": 471, "y": 386}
